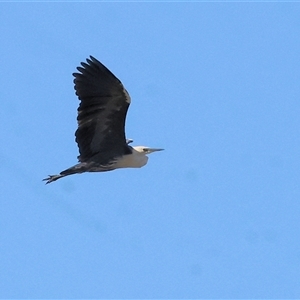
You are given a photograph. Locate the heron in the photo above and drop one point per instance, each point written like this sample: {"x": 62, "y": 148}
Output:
{"x": 100, "y": 134}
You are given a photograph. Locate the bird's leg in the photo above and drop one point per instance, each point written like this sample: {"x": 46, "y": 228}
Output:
{"x": 52, "y": 178}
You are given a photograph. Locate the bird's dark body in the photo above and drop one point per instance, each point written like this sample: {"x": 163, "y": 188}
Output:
{"x": 101, "y": 119}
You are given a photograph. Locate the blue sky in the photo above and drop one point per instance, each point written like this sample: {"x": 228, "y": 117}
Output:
{"x": 215, "y": 215}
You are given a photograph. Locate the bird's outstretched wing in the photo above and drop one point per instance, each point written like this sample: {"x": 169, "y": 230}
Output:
{"x": 102, "y": 112}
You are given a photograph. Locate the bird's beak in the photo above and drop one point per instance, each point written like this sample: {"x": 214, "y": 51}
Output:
{"x": 154, "y": 149}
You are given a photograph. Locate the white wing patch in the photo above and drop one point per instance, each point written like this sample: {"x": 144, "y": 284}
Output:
{"x": 128, "y": 99}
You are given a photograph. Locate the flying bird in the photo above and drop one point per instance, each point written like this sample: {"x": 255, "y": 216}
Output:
{"x": 101, "y": 123}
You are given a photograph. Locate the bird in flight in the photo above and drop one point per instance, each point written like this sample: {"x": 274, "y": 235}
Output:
{"x": 101, "y": 123}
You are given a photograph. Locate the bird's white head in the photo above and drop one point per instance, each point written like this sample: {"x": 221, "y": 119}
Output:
{"x": 146, "y": 150}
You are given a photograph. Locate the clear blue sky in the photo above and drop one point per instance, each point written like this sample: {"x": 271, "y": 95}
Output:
{"x": 215, "y": 215}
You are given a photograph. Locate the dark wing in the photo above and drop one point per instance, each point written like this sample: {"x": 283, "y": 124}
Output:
{"x": 101, "y": 113}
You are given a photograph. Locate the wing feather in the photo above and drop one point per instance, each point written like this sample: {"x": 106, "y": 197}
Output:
{"x": 101, "y": 113}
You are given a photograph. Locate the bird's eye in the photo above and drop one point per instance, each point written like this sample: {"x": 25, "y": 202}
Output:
{"x": 145, "y": 150}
